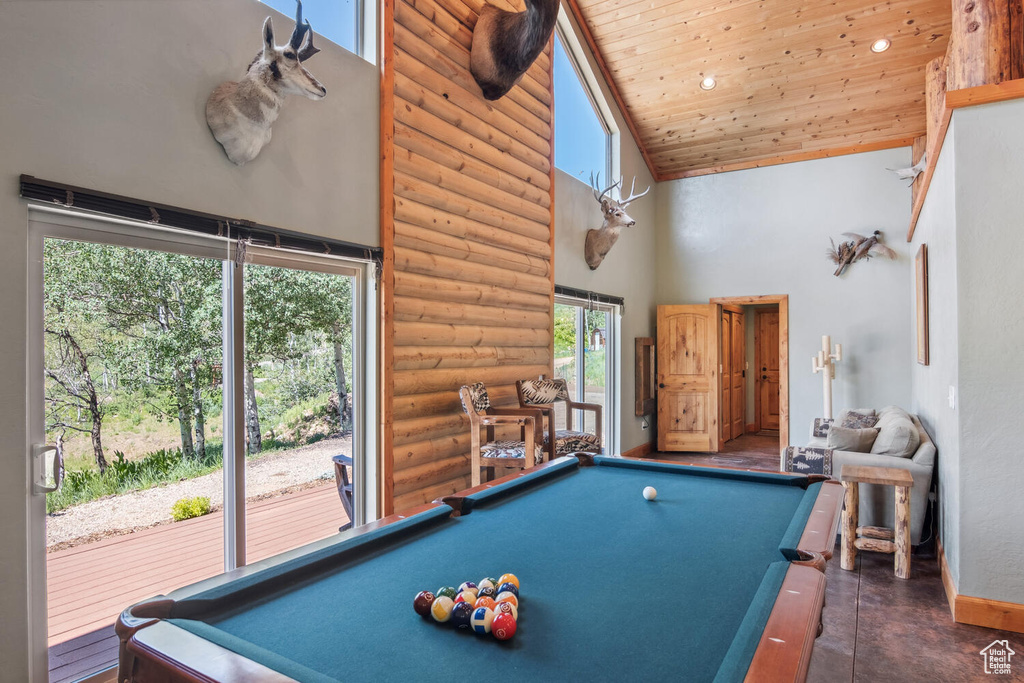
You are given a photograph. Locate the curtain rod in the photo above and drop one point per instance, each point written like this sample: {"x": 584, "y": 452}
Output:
{"x": 187, "y": 219}
{"x": 585, "y": 295}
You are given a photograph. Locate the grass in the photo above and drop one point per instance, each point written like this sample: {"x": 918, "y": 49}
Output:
{"x": 304, "y": 423}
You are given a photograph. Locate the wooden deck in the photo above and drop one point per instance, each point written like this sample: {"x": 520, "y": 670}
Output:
{"x": 90, "y": 584}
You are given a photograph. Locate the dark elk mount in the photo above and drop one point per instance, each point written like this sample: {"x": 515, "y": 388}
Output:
{"x": 505, "y": 44}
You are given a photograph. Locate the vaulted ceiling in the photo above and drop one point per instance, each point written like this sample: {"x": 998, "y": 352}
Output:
{"x": 795, "y": 79}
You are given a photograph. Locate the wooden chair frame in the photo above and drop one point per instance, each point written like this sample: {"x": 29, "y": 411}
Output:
{"x": 530, "y": 422}
{"x": 549, "y": 410}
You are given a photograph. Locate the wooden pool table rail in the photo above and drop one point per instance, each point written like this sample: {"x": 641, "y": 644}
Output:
{"x": 154, "y": 651}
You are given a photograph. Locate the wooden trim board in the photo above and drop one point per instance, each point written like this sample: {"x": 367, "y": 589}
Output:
{"x": 640, "y": 451}
{"x": 1005, "y": 616}
{"x": 783, "y": 301}
{"x": 956, "y": 99}
{"x": 386, "y": 501}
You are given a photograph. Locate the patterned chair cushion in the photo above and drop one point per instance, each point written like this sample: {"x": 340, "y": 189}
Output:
{"x": 544, "y": 391}
{"x": 569, "y": 442}
{"x": 481, "y": 402}
{"x": 510, "y": 449}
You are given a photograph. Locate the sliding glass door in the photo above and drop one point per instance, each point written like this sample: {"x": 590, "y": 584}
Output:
{"x": 198, "y": 395}
{"x": 586, "y": 338}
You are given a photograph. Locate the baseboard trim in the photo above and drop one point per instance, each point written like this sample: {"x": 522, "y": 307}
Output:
{"x": 1005, "y": 616}
{"x": 640, "y": 451}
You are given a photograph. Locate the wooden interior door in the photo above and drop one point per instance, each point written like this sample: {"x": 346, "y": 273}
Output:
{"x": 738, "y": 367}
{"x": 726, "y": 368}
{"x": 688, "y": 358}
{"x": 766, "y": 345}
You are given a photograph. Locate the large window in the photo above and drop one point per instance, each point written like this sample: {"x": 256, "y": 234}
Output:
{"x": 585, "y": 341}
{"x": 582, "y": 136}
{"x": 199, "y": 392}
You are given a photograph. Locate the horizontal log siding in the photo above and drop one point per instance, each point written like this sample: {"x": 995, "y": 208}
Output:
{"x": 469, "y": 230}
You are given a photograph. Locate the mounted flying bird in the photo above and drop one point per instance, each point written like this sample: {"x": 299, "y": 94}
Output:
{"x": 240, "y": 114}
{"x": 505, "y": 44}
{"x": 859, "y": 247}
{"x": 912, "y": 172}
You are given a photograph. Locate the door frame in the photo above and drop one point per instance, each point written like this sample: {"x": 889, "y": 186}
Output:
{"x": 783, "y": 301}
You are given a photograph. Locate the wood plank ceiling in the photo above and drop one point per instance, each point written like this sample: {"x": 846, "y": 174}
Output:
{"x": 795, "y": 79}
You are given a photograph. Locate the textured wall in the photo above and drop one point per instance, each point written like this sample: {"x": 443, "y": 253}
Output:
{"x": 936, "y": 227}
{"x": 765, "y": 231}
{"x": 989, "y": 144}
{"x": 111, "y": 96}
{"x": 467, "y": 235}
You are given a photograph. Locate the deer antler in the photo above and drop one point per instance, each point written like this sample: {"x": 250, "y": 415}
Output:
{"x": 595, "y": 184}
{"x": 302, "y": 36}
{"x": 625, "y": 202}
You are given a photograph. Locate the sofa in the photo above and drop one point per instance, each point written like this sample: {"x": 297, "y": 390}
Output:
{"x": 877, "y": 506}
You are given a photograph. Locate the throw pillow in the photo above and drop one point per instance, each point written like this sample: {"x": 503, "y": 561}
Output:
{"x": 854, "y": 440}
{"x": 898, "y": 437}
{"x": 861, "y": 418}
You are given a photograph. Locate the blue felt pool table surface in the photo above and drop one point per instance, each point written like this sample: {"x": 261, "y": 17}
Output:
{"x": 613, "y": 586}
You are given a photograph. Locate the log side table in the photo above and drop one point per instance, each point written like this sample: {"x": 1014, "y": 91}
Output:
{"x": 876, "y": 538}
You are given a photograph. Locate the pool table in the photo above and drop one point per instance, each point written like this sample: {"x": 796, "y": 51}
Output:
{"x": 720, "y": 578}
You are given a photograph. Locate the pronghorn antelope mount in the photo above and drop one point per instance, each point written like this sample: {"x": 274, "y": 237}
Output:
{"x": 240, "y": 114}
{"x": 505, "y": 44}
{"x": 600, "y": 242}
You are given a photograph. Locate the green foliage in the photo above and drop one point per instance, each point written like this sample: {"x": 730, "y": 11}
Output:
{"x": 123, "y": 476}
{"x": 565, "y": 330}
{"x": 187, "y": 508}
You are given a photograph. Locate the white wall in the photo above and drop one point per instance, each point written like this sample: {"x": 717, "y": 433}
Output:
{"x": 110, "y": 96}
{"x": 627, "y": 270}
{"x": 766, "y": 231}
{"x": 936, "y": 227}
{"x": 989, "y": 144}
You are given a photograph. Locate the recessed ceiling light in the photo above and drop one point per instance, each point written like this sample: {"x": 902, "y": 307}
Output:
{"x": 708, "y": 83}
{"x": 880, "y": 45}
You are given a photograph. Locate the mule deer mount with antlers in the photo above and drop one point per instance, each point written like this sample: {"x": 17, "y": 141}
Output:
{"x": 505, "y": 44}
{"x": 600, "y": 242}
{"x": 240, "y": 114}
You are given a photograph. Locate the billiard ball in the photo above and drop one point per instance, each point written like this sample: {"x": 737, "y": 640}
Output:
{"x": 503, "y": 626}
{"x": 485, "y": 602}
{"x": 486, "y": 592}
{"x": 508, "y": 596}
{"x": 481, "y": 620}
{"x": 650, "y": 493}
{"x": 466, "y": 584}
{"x": 446, "y": 591}
{"x": 442, "y": 608}
{"x": 508, "y": 587}
{"x": 461, "y": 614}
{"x": 506, "y": 608}
{"x": 486, "y": 583}
{"x": 509, "y": 578}
{"x": 466, "y": 596}
{"x": 422, "y": 602}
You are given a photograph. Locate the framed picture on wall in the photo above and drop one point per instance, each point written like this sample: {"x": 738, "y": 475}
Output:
{"x": 921, "y": 269}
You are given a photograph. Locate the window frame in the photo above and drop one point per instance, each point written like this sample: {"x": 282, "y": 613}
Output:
{"x": 365, "y": 23}
{"x": 613, "y": 394}
{"x": 567, "y": 34}
{"x": 68, "y": 224}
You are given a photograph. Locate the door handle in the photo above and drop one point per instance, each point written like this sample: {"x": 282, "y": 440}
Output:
{"x": 764, "y": 376}
{"x": 661, "y": 385}
{"x": 39, "y": 455}
{"x": 764, "y": 369}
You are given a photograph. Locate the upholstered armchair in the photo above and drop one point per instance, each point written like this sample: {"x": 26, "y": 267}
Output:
{"x": 500, "y": 454}
{"x": 544, "y": 393}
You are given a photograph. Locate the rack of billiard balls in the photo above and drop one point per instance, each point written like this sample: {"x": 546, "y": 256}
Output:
{"x": 491, "y": 606}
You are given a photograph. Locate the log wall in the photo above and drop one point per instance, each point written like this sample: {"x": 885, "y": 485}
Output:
{"x": 466, "y": 221}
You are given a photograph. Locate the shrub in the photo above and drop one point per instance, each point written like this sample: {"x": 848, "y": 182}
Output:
{"x": 186, "y": 508}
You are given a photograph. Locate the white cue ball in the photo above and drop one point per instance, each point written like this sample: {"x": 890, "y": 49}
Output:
{"x": 650, "y": 493}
